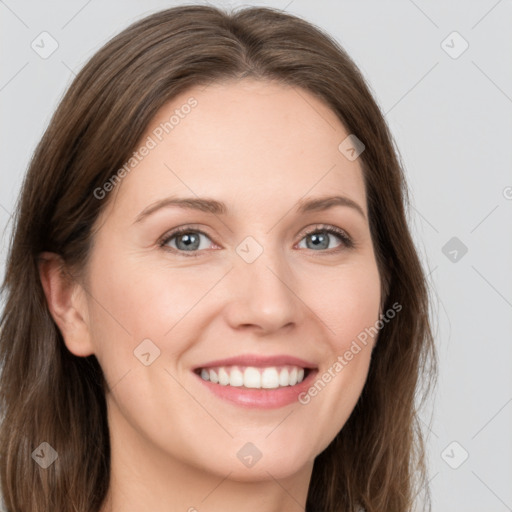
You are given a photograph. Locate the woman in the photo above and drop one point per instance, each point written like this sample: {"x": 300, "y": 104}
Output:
{"x": 273, "y": 366}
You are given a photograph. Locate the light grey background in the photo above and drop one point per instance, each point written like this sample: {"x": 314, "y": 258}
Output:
{"x": 452, "y": 121}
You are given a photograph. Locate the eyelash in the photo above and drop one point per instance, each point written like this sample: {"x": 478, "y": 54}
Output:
{"x": 347, "y": 242}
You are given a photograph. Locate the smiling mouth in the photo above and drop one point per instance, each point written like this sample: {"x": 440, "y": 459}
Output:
{"x": 253, "y": 377}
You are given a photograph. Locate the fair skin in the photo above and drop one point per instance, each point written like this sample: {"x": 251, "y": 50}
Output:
{"x": 258, "y": 147}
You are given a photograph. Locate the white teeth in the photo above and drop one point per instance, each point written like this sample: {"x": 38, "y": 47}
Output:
{"x": 223, "y": 377}
{"x": 236, "y": 378}
{"x": 293, "y": 377}
{"x": 252, "y": 377}
{"x": 269, "y": 378}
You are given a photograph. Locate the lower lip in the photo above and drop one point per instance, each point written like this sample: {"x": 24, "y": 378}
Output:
{"x": 260, "y": 398}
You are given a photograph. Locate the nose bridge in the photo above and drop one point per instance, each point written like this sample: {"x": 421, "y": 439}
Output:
{"x": 264, "y": 292}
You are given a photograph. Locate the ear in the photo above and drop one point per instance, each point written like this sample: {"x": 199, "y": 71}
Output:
{"x": 67, "y": 303}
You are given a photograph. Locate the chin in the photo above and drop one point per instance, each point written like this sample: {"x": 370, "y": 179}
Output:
{"x": 271, "y": 465}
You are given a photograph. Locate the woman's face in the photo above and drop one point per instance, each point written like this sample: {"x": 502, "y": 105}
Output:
{"x": 262, "y": 281}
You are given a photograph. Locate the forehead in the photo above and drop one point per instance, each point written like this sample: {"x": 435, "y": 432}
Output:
{"x": 247, "y": 141}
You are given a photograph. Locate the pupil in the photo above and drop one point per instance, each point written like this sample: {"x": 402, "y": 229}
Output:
{"x": 318, "y": 238}
{"x": 188, "y": 240}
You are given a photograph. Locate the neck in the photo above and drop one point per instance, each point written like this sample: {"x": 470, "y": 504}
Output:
{"x": 143, "y": 477}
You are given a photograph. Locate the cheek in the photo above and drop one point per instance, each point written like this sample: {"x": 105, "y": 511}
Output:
{"x": 348, "y": 302}
{"x": 349, "y": 307}
{"x": 134, "y": 301}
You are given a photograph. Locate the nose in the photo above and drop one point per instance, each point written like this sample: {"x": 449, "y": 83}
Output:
{"x": 262, "y": 295}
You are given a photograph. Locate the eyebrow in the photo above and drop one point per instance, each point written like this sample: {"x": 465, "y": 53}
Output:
{"x": 219, "y": 208}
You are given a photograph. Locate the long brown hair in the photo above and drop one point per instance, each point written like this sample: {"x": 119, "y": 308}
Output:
{"x": 47, "y": 394}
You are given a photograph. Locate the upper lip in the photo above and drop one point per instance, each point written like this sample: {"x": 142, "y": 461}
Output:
{"x": 259, "y": 361}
